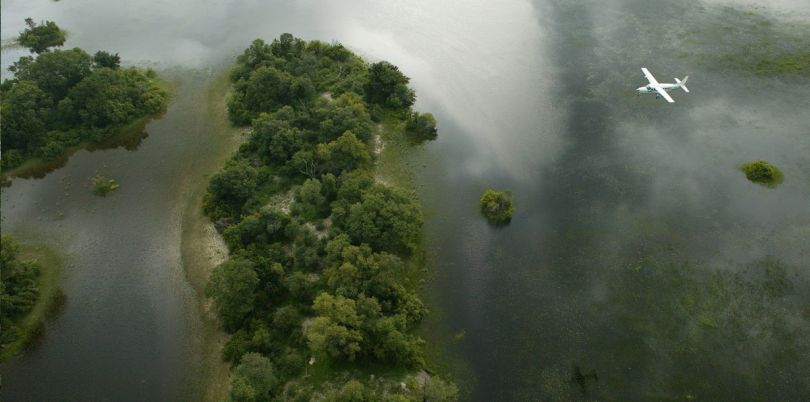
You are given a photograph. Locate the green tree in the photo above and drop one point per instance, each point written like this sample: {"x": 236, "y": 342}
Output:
{"x": 232, "y": 286}
{"x": 267, "y": 89}
{"x": 347, "y": 112}
{"x": 39, "y": 38}
{"x": 351, "y": 391}
{"x": 19, "y": 288}
{"x": 26, "y": 111}
{"x": 421, "y": 127}
{"x": 54, "y": 72}
{"x": 106, "y": 59}
{"x": 229, "y": 189}
{"x": 388, "y": 87}
{"x": 311, "y": 201}
{"x": 386, "y": 218}
{"x": 334, "y": 331}
{"x": 275, "y": 140}
{"x": 254, "y": 379}
{"x": 497, "y": 206}
{"x": 261, "y": 228}
{"x": 343, "y": 154}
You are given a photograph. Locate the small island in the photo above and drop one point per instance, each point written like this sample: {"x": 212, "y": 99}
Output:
{"x": 28, "y": 293}
{"x": 320, "y": 293}
{"x": 497, "y": 207}
{"x": 763, "y": 173}
{"x": 59, "y": 101}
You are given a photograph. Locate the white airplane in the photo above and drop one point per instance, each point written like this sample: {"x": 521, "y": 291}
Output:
{"x": 660, "y": 89}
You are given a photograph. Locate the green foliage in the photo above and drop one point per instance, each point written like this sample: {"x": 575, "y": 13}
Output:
{"x": 111, "y": 97}
{"x": 253, "y": 379}
{"x": 335, "y": 331}
{"x": 103, "y": 186}
{"x": 386, "y": 218}
{"x": 311, "y": 200}
{"x": 232, "y": 286}
{"x": 421, "y": 127}
{"x": 436, "y": 389}
{"x": 317, "y": 247}
{"x": 26, "y": 112}
{"x": 497, "y": 206}
{"x": 54, "y": 72}
{"x": 258, "y": 229}
{"x": 343, "y": 154}
{"x": 19, "y": 292}
{"x": 18, "y": 289}
{"x": 65, "y": 98}
{"x": 106, "y": 59}
{"x": 763, "y": 173}
{"x": 388, "y": 87}
{"x": 39, "y": 38}
{"x": 230, "y": 189}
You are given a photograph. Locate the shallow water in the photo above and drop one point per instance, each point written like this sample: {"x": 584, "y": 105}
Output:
{"x": 611, "y": 190}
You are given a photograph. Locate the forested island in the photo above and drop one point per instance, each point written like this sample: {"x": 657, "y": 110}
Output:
{"x": 62, "y": 100}
{"x": 28, "y": 292}
{"x": 319, "y": 292}
{"x": 496, "y": 206}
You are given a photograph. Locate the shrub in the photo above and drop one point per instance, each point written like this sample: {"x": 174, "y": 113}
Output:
{"x": 102, "y": 186}
{"x": 763, "y": 173}
{"x": 497, "y": 206}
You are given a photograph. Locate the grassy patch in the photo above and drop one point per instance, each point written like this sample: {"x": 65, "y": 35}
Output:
{"x": 201, "y": 248}
{"x": 50, "y": 298}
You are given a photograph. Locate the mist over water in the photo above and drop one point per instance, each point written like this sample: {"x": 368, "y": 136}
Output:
{"x": 640, "y": 264}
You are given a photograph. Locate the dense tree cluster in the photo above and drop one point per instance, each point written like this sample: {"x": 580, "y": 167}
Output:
{"x": 320, "y": 265}
{"x": 19, "y": 288}
{"x": 496, "y": 206}
{"x": 64, "y": 98}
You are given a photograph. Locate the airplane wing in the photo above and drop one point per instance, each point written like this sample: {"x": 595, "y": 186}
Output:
{"x": 649, "y": 75}
{"x": 664, "y": 93}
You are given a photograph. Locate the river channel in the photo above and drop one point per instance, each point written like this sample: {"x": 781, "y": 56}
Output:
{"x": 640, "y": 263}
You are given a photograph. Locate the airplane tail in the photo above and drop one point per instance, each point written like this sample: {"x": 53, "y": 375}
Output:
{"x": 683, "y": 83}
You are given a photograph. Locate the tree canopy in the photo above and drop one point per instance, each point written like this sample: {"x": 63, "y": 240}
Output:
{"x": 60, "y": 99}
{"x": 388, "y": 87}
{"x": 319, "y": 266}
{"x": 497, "y": 206}
{"x": 38, "y": 38}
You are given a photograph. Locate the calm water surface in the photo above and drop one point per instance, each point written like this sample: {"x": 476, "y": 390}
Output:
{"x": 635, "y": 266}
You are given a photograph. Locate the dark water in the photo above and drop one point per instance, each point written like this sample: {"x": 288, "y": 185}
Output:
{"x": 640, "y": 264}
{"x": 128, "y": 329}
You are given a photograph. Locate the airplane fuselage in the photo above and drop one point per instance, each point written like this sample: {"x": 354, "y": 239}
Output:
{"x": 650, "y": 89}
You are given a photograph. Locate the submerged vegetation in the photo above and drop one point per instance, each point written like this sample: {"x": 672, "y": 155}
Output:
{"x": 496, "y": 206}
{"x": 27, "y": 293}
{"x": 102, "y": 186}
{"x": 319, "y": 293}
{"x": 62, "y": 100}
{"x": 763, "y": 173}
{"x": 751, "y": 42}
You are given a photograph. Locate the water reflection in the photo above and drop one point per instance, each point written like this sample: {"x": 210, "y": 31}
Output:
{"x": 611, "y": 191}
